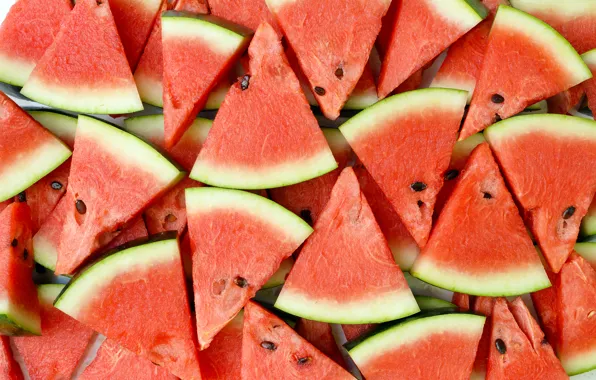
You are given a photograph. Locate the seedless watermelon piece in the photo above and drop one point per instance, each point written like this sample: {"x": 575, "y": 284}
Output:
{"x": 432, "y": 347}
{"x": 540, "y": 156}
{"x": 85, "y": 68}
{"x": 255, "y": 146}
{"x": 398, "y": 130}
{"x": 271, "y": 349}
{"x": 168, "y": 213}
{"x": 222, "y": 359}
{"x": 137, "y": 297}
{"x": 249, "y": 13}
{"x": 194, "y": 6}
{"x": 9, "y": 368}
{"x": 347, "y": 251}
{"x": 462, "y": 301}
{"x": 320, "y": 335}
{"x": 56, "y": 354}
{"x": 519, "y": 41}
{"x": 227, "y": 272}
{"x": 5, "y": 204}
{"x": 46, "y": 241}
{"x": 588, "y": 251}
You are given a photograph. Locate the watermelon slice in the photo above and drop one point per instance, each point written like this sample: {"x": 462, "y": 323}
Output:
{"x": 589, "y": 86}
{"x": 328, "y": 56}
{"x": 136, "y": 174}
{"x": 193, "y": 6}
{"x": 249, "y": 13}
{"x": 27, "y": 151}
{"x": 9, "y": 368}
{"x": 539, "y": 155}
{"x": 5, "y": 204}
{"x": 462, "y": 301}
{"x": 320, "y": 335}
{"x": 483, "y": 306}
{"x": 168, "y": 213}
{"x": 26, "y": 32}
{"x": 56, "y": 354}
{"x": 210, "y": 47}
{"x": 98, "y": 81}
{"x": 421, "y": 348}
{"x": 545, "y": 64}
{"x": 134, "y": 230}
{"x": 500, "y": 260}
{"x": 588, "y": 251}
{"x": 137, "y": 297}
{"x": 221, "y": 359}
{"x": 255, "y": 146}
{"x": 588, "y": 226}
{"x": 46, "y": 241}
{"x": 333, "y": 258}
{"x": 353, "y": 332}
{"x": 401, "y": 127}
{"x": 228, "y": 271}
{"x": 279, "y": 277}
{"x": 272, "y": 350}
{"x": 427, "y": 303}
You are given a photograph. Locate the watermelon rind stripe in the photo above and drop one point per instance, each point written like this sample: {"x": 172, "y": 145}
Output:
{"x": 555, "y": 125}
{"x": 460, "y": 84}
{"x": 464, "y": 13}
{"x": 15, "y": 71}
{"x": 16, "y": 320}
{"x": 150, "y": 89}
{"x": 579, "y": 362}
{"x": 361, "y": 101}
{"x": 62, "y": 126}
{"x": 151, "y": 128}
{"x": 427, "y": 303}
{"x": 562, "y": 9}
{"x": 588, "y": 251}
{"x": 47, "y": 293}
{"x": 46, "y": 254}
{"x": 404, "y": 255}
{"x": 589, "y": 225}
{"x": 279, "y": 277}
{"x": 589, "y": 57}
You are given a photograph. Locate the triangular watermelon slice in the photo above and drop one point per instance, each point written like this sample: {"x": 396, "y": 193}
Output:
{"x": 398, "y": 130}
{"x": 137, "y": 297}
{"x": 483, "y": 306}
{"x": 249, "y": 13}
{"x": 544, "y": 64}
{"x": 500, "y": 259}
{"x": 222, "y": 359}
{"x": 325, "y": 43}
{"x": 114, "y": 175}
{"x": 347, "y": 251}
{"x": 540, "y": 156}
{"x": 255, "y": 146}
{"x": 421, "y": 31}
{"x": 228, "y": 270}
{"x": 99, "y": 79}
{"x": 272, "y": 350}
{"x": 320, "y": 335}
{"x": 56, "y": 354}
{"x": 9, "y": 368}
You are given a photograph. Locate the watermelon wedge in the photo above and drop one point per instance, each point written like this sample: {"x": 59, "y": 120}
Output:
{"x": 168, "y": 213}
{"x": 500, "y": 260}
{"x": 254, "y": 146}
{"x": 98, "y": 81}
{"x": 137, "y": 297}
{"x": 483, "y": 306}
{"x": 347, "y": 251}
{"x": 400, "y": 127}
{"x": 588, "y": 226}
{"x": 518, "y": 40}
{"x": 131, "y": 232}
{"x": 249, "y": 13}
{"x": 26, "y": 32}
{"x": 353, "y": 332}
{"x": 228, "y": 271}
{"x": 271, "y": 349}
{"x": 587, "y": 250}
{"x": 432, "y": 347}
{"x": 320, "y": 335}
{"x": 539, "y": 155}
{"x": 462, "y": 301}
{"x": 328, "y": 56}
{"x": 9, "y": 368}
{"x": 56, "y": 354}
{"x": 220, "y": 360}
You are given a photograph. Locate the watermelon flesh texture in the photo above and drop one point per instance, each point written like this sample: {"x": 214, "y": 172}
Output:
{"x": 193, "y": 6}
{"x": 332, "y": 258}
{"x": 168, "y": 212}
{"x": 221, "y": 360}
{"x": 248, "y": 13}
{"x": 523, "y": 146}
{"x": 56, "y": 354}
{"x": 135, "y": 230}
{"x": 272, "y": 349}
{"x": 483, "y": 306}
{"x": 46, "y": 241}
{"x": 462, "y": 301}
{"x": 26, "y": 32}
{"x": 9, "y": 368}
{"x": 5, "y": 204}
{"x": 320, "y": 335}
{"x": 353, "y": 332}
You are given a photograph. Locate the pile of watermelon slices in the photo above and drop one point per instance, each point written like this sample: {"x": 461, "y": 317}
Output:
{"x": 297, "y": 189}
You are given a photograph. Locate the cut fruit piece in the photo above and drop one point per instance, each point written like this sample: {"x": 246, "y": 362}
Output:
{"x": 193, "y": 6}
{"x": 588, "y": 251}
{"x": 131, "y": 296}
{"x": 353, "y": 332}
{"x": 28, "y": 151}
{"x": 400, "y": 127}
{"x": 26, "y": 32}
{"x": 46, "y": 241}
{"x": 347, "y": 251}
{"x": 541, "y": 156}
{"x": 462, "y": 301}
{"x": 279, "y": 277}
{"x": 19, "y": 307}
{"x": 431, "y": 303}
{"x": 198, "y": 51}
{"x": 56, "y": 354}
{"x": 131, "y": 232}
{"x": 421, "y": 348}
{"x": 9, "y": 368}
{"x": 254, "y": 146}
{"x": 271, "y": 349}
{"x": 221, "y": 360}
{"x": 421, "y": 31}
{"x": 114, "y": 176}
{"x": 320, "y": 335}
{"x": 328, "y": 56}
{"x": 99, "y": 81}
{"x": 544, "y": 63}
{"x": 228, "y": 269}
{"x": 249, "y": 13}
{"x": 483, "y": 306}
{"x": 61, "y": 125}
{"x": 5, "y": 204}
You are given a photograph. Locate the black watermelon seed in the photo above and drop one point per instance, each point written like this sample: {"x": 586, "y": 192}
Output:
{"x": 81, "y": 206}
{"x": 268, "y": 345}
{"x": 451, "y": 174}
{"x": 22, "y": 197}
{"x": 501, "y": 346}
{"x": 496, "y": 98}
{"x": 418, "y": 186}
{"x": 241, "y": 282}
{"x": 568, "y": 213}
{"x": 25, "y": 254}
{"x": 487, "y": 195}
{"x": 14, "y": 242}
{"x": 245, "y": 82}
{"x": 420, "y": 203}
{"x": 320, "y": 91}
{"x": 306, "y": 216}
{"x": 56, "y": 185}
{"x": 304, "y": 360}
{"x": 339, "y": 73}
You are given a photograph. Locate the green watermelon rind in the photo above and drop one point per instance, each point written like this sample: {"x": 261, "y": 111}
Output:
{"x": 574, "y": 8}
{"x": 61, "y": 125}
{"x": 579, "y": 363}
{"x": 45, "y": 254}
{"x": 464, "y": 13}
{"x": 15, "y": 71}
{"x": 17, "y": 322}
{"x": 588, "y": 226}
{"x": 431, "y": 303}
{"x": 151, "y": 127}
{"x": 552, "y": 124}
{"x": 47, "y": 293}
{"x": 587, "y": 250}
{"x": 279, "y": 277}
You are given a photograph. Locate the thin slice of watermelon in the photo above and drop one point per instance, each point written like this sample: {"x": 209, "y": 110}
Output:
{"x": 114, "y": 176}
{"x": 85, "y": 68}
{"x": 9, "y": 368}
{"x": 347, "y": 251}
{"x": 56, "y": 354}
{"x": 500, "y": 260}
{"x": 517, "y": 42}
{"x": 26, "y": 32}
{"x": 587, "y": 250}
{"x": 434, "y": 347}
{"x": 272, "y": 350}
{"x": 228, "y": 270}
{"x": 462, "y": 301}
{"x": 255, "y": 146}
{"x": 540, "y": 156}
{"x": 320, "y": 335}
{"x": 328, "y": 56}
{"x": 249, "y": 13}
{"x": 137, "y": 297}
{"x": 221, "y": 360}
{"x": 131, "y": 232}
{"x": 397, "y": 130}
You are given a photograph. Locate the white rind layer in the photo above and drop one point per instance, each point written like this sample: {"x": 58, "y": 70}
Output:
{"x": 20, "y": 317}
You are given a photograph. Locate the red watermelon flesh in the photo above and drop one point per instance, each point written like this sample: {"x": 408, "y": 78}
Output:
{"x": 5, "y": 204}
{"x": 564, "y": 101}
{"x": 134, "y": 231}
{"x": 46, "y": 241}
{"x": 117, "y": 363}
{"x": 319, "y": 334}
{"x": 193, "y": 6}
{"x": 353, "y": 332}
{"x": 483, "y": 306}
{"x": 9, "y": 368}
{"x": 55, "y": 354}
{"x": 221, "y": 361}
{"x": 545, "y": 303}
{"x": 26, "y": 32}
{"x": 332, "y": 57}
{"x": 271, "y": 349}
{"x": 168, "y": 213}
{"x": 248, "y": 13}
{"x": 462, "y": 301}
